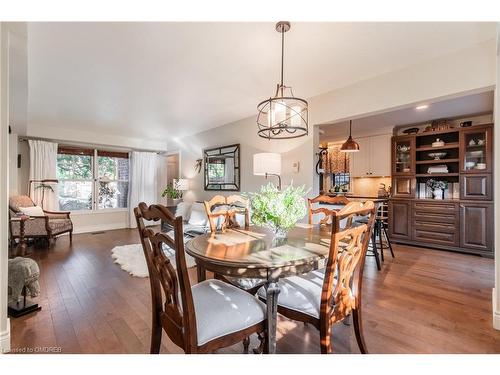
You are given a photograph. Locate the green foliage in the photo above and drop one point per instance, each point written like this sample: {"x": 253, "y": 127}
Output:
{"x": 74, "y": 167}
{"x": 172, "y": 192}
{"x": 436, "y": 184}
{"x": 279, "y": 210}
{"x": 107, "y": 167}
{"x": 107, "y": 193}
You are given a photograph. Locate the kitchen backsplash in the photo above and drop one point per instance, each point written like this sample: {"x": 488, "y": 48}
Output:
{"x": 368, "y": 186}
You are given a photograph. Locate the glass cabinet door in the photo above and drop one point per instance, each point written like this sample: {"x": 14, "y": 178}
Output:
{"x": 403, "y": 155}
{"x": 476, "y": 150}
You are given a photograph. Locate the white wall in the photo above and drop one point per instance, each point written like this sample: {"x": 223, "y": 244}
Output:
{"x": 13, "y": 170}
{"x": 244, "y": 133}
{"x": 464, "y": 71}
{"x": 496, "y": 198}
{"x": 4, "y": 154}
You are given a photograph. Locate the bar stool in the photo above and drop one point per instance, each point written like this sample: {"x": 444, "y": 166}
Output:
{"x": 372, "y": 246}
{"x": 381, "y": 225}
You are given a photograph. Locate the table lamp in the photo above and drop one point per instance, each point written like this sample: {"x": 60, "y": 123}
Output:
{"x": 181, "y": 184}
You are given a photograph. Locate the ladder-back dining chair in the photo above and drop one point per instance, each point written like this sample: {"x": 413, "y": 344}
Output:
{"x": 230, "y": 212}
{"x": 200, "y": 318}
{"x": 327, "y": 296}
{"x": 320, "y": 208}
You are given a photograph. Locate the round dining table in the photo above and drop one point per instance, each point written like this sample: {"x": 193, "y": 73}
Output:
{"x": 257, "y": 255}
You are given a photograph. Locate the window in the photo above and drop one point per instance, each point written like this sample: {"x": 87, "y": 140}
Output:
{"x": 92, "y": 179}
{"x": 113, "y": 179}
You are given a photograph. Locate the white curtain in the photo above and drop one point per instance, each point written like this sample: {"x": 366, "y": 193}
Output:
{"x": 43, "y": 165}
{"x": 143, "y": 181}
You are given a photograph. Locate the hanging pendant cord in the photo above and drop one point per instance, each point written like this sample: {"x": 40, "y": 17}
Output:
{"x": 282, "y": 54}
{"x": 350, "y": 128}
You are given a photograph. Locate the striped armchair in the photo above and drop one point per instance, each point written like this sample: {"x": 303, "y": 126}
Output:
{"x": 50, "y": 225}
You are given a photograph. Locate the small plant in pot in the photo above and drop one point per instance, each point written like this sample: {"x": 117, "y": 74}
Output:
{"x": 277, "y": 209}
{"x": 172, "y": 192}
{"x": 437, "y": 187}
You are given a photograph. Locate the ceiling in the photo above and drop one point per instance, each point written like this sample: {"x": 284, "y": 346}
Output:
{"x": 162, "y": 80}
{"x": 465, "y": 105}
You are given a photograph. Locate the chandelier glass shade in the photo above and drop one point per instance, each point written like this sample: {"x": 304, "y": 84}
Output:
{"x": 283, "y": 116}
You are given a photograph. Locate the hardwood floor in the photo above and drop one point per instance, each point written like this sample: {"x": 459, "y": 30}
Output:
{"x": 423, "y": 301}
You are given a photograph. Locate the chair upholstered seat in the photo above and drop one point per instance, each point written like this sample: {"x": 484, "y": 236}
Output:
{"x": 60, "y": 225}
{"x": 300, "y": 293}
{"x": 221, "y": 309}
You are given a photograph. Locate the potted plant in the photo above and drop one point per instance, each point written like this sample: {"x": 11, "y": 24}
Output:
{"x": 172, "y": 192}
{"x": 437, "y": 187}
{"x": 278, "y": 209}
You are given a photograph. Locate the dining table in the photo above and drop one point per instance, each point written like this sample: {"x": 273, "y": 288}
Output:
{"x": 256, "y": 254}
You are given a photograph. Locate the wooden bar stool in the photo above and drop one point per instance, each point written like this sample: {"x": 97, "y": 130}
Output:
{"x": 381, "y": 225}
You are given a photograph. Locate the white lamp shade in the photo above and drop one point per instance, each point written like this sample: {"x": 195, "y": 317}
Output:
{"x": 181, "y": 184}
{"x": 266, "y": 162}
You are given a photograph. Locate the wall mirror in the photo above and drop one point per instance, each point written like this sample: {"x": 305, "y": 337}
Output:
{"x": 222, "y": 168}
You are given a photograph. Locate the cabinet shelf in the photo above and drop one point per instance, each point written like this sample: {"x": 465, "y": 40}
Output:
{"x": 436, "y": 175}
{"x": 445, "y": 147}
{"x": 440, "y": 161}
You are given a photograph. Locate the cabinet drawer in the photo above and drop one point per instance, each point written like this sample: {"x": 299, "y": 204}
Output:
{"x": 446, "y": 207}
{"x": 435, "y": 235}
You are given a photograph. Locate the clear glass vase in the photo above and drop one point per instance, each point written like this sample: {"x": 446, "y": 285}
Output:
{"x": 279, "y": 232}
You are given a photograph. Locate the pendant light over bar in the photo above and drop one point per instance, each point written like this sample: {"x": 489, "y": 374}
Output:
{"x": 283, "y": 116}
{"x": 350, "y": 145}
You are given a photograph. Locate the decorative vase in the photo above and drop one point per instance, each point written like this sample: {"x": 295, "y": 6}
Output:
{"x": 437, "y": 193}
{"x": 176, "y": 201}
{"x": 279, "y": 232}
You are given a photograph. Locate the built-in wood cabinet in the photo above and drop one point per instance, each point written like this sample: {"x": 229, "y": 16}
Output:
{"x": 403, "y": 156}
{"x": 373, "y": 158}
{"x": 403, "y": 186}
{"x": 476, "y": 150}
{"x": 476, "y": 187}
{"x": 400, "y": 219}
{"x": 476, "y": 226}
{"x": 462, "y": 222}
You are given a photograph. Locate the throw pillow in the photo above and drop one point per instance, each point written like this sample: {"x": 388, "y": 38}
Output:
{"x": 198, "y": 216}
{"x": 182, "y": 209}
{"x": 32, "y": 211}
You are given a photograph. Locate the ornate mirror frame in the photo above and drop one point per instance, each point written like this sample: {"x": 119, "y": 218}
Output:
{"x": 216, "y": 161}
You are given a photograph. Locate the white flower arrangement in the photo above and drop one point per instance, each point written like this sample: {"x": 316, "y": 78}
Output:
{"x": 278, "y": 210}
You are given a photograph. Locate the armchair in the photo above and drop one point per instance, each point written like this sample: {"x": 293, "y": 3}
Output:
{"x": 49, "y": 226}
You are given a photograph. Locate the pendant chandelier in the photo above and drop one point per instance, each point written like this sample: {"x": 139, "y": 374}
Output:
{"x": 283, "y": 116}
{"x": 350, "y": 145}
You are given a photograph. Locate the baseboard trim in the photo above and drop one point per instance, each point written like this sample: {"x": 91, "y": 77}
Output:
{"x": 496, "y": 311}
{"x": 99, "y": 228}
{"x": 5, "y": 339}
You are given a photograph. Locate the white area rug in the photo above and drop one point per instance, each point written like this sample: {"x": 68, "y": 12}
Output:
{"x": 131, "y": 259}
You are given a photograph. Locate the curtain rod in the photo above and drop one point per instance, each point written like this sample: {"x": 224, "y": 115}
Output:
{"x": 25, "y": 138}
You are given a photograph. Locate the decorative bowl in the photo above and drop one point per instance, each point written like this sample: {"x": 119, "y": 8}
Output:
{"x": 437, "y": 155}
{"x": 480, "y": 166}
{"x": 470, "y": 164}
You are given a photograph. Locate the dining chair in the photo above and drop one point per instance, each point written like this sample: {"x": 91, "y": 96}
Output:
{"x": 239, "y": 212}
{"x": 331, "y": 203}
{"x": 327, "y": 296}
{"x": 230, "y": 212}
{"x": 200, "y": 318}
{"x": 217, "y": 211}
